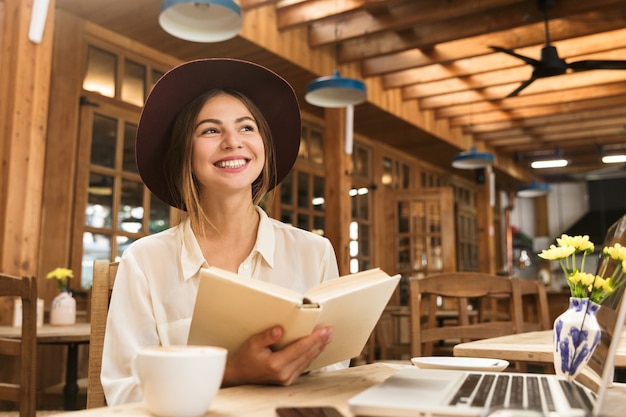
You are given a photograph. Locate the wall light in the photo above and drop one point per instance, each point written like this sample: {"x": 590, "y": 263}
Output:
{"x": 549, "y": 163}
{"x": 201, "y": 20}
{"x": 472, "y": 159}
{"x": 534, "y": 189}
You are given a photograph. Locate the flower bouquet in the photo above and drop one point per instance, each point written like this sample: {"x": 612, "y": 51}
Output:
{"x": 576, "y": 331}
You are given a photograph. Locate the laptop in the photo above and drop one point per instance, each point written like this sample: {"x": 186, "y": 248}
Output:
{"x": 433, "y": 393}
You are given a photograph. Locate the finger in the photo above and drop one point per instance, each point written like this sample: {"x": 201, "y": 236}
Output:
{"x": 295, "y": 358}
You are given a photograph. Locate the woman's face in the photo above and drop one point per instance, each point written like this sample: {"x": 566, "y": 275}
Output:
{"x": 228, "y": 152}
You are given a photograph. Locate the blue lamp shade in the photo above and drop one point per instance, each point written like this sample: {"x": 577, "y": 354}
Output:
{"x": 534, "y": 189}
{"x": 472, "y": 159}
{"x": 201, "y": 20}
{"x": 335, "y": 91}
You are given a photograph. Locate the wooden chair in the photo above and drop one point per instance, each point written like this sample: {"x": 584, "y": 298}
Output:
{"x": 22, "y": 393}
{"x": 103, "y": 278}
{"x": 387, "y": 335}
{"x": 534, "y": 310}
{"x": 465, "y": 288}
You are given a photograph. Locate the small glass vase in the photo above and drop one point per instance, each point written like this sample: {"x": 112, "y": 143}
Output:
{"x": 574, "y": 346}
{"x": 63, "y": 310}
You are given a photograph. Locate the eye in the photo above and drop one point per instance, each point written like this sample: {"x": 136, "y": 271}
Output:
{"x": 247, "y": 128}
{"x": 209, "y": 131}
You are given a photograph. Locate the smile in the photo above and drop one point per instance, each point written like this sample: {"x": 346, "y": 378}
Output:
{"x": 233, "y": 163}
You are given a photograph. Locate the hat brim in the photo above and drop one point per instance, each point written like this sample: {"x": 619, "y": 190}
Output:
{"x": 274, "y": 97}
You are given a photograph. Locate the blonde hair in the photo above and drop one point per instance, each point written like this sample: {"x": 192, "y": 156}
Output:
{"x": 181, "y": 180}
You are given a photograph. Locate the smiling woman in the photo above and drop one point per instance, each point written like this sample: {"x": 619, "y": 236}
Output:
{"x": 214, "y": 137}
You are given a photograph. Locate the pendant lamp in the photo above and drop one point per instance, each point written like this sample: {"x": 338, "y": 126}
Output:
{"x": 534, "y": 189}
{"x": 472, "y": 159}
{"x": 201, "y": 20}
{"x": 335, "y": 91}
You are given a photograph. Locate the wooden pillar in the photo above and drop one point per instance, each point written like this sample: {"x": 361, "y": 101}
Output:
{"x": 338, "y": 167}
{"x": 485, "y": 223}
{"x": 541, "y": 216}
{"x": 25, "y": 86}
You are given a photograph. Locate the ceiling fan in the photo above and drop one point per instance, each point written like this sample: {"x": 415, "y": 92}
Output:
{"x": 550, "y": 63}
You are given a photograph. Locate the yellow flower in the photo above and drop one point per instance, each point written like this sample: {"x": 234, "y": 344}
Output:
{"x": 584, "y": 285}
{"x": 579, "y": 243}
{"x": 61, "y": 275}
{"x": 555, "y": 253}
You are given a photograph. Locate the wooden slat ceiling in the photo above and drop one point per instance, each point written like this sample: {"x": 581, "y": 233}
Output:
{"x": 437, "y": 54}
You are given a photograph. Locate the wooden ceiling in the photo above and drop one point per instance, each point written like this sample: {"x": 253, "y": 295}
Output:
{"x": 436, "y": 55}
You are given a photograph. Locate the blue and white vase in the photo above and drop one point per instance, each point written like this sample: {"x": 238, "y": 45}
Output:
{"x": 573, "y": 345}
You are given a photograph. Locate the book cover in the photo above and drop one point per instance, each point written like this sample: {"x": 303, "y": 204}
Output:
{"x": 230, "y": 308}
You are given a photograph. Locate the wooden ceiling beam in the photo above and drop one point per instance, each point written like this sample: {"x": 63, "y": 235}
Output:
{"x": 570, "y": 118}
{"x": 482, "y": 69}
{"x": 530, "y": 35}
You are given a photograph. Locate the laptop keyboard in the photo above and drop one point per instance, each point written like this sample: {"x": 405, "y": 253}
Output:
{"x": 516, "y": 391}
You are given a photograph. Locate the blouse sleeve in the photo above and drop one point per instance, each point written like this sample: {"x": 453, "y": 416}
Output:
{"x": 130, "y": 324}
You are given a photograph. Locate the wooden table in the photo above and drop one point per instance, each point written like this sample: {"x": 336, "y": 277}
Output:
{"x": 330, "y": 388}
{"x": 72, "y": 336}
{"x": 529, "y": 347}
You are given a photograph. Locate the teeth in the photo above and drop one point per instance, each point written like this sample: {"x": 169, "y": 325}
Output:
{"x": 234, "y": 163}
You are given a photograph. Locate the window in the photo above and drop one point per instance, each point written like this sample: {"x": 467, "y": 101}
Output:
{"x": 360, "y": 245}
{"x": 117, "y": 209}
{"x": 302, "y": 200}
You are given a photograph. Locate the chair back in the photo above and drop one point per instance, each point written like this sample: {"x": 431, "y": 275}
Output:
{"x": 103, "y": 278}
{"x": 468, "y": 290}
{"x": 388, "y": 337}
{"x": 24, "y": 349}
{"x": 534, "y": 310}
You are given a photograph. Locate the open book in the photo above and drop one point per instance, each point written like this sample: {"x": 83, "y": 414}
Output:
{"x": 230, "y": 308}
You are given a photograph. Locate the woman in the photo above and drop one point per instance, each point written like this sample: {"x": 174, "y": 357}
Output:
{"x": 214, "y": 136}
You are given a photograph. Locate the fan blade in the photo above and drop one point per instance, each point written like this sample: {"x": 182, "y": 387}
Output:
{"x": 597, "y": 64}
{"x": 522, "y": 86}
{"x": 526, "y": 59}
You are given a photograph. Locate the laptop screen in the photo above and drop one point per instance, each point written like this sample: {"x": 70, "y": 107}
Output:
{"x": 599, "y": 370}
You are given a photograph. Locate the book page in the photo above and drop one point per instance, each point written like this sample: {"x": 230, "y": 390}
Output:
{"x": 229, "y": 310}
{"x": 353, "y": 317}
{"x": 345, "y": 284}
{"x": 262, "y": 286}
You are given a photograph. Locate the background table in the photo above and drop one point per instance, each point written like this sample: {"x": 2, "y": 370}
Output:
{"x": 72, "y": 336}
{"x": 530, "y": 347}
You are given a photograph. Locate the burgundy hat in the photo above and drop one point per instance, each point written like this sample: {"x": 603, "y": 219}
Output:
{"x": 273, "y": 96}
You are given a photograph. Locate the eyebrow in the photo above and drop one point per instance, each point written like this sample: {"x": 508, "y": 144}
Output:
{"x": 219, "y": 122}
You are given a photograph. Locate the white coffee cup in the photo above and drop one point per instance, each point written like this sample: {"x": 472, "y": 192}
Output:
{"x": 179, "y": 381}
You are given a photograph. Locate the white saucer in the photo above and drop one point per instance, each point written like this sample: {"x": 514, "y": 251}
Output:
{"x": 460, "y": 363}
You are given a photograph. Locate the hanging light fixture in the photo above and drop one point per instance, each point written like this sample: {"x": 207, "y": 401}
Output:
{"x": 335, "y": 91}
{"x": 472, "y": 159}
{"x": 534, "y": 189}
{"x": 201, "y": 20}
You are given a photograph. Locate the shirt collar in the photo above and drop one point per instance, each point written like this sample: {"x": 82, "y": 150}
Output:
{"x": 266, "y": 238}
{"x": 191, "y": 254}
{"x": 193, "y": 259}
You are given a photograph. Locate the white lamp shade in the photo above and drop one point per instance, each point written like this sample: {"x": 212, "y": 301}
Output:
{"x": 335, "y": 91}
{"x": 201, "y": 20}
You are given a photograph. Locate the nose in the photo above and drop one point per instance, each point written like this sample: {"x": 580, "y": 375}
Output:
{"x": 231, "y": 139}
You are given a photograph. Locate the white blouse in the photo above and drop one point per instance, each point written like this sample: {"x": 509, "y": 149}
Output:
{"x": 157, "y": 280}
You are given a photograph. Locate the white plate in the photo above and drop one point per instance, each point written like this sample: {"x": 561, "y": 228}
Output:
{"x": 465, "y": 364}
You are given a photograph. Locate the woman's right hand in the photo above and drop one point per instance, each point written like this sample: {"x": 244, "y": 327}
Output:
{"x": 257, "y": 363}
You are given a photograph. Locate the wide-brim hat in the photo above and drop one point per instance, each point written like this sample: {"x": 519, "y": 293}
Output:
{"x": 274, "y": 97}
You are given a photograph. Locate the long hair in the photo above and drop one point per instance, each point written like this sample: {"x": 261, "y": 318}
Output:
{"x": 178, "y": 160}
